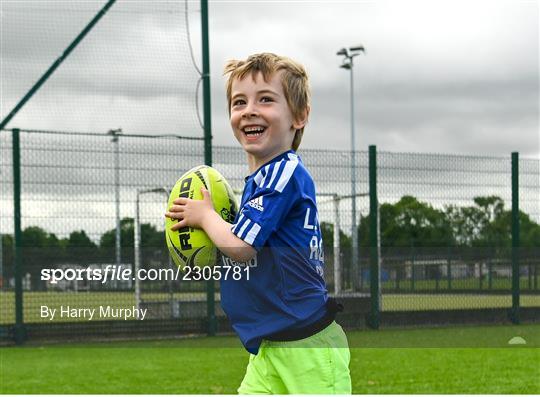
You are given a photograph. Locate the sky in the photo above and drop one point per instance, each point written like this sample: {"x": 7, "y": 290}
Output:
{"x": 441, "y": 76}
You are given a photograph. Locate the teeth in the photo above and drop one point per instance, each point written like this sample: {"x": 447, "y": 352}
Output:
{"x": 254, "y": 129}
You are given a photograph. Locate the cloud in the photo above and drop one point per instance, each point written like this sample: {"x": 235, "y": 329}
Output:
{"x": 438, "y": 75}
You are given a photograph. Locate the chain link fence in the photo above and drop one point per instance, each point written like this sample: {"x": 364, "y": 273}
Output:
{"x": 444, "y": 230}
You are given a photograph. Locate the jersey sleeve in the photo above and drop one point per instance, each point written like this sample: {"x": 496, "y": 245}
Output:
{"x": 267, "y": 208}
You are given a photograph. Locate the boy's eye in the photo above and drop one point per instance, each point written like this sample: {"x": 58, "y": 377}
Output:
{"x": 266, "y": 99}
{"x": 238, "y": 102}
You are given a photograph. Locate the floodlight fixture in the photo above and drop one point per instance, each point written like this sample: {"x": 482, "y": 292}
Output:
{"x": 114, "y": 133}
{"x": 358, "y": 48}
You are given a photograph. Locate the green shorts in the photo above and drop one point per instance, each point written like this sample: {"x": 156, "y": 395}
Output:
{"x": 315, "y": 365}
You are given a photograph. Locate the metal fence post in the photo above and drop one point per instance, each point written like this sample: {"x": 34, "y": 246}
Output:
{"x": 373, "y": 320}
{"x": 210, "y": 309}
{"x": 19, "y": 331}
{"x": 490, "y": 272}
{"x": 337, "y": 248}
{"x": 529, "y": 276}
{"x": 137, "y": 256}
{"x": 514, "y": 314}
{"x": 449, "y": 270}
{"x": 480, "y": 268}
{"x": 437, "y": 276}
{"x": 413, "y": 269}
{"x": 535, "y": 279}
{"x": 398, "y": 276}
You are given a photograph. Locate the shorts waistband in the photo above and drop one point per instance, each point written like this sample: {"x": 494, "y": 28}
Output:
{"x": 332, "y": 307}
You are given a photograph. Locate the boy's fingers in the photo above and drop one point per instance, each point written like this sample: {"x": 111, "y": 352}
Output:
{"x": 180, "y": 200}
{"x": 176, "y": 208}
{"x": 178, "y": 225}
{"x": 174, "y": 215}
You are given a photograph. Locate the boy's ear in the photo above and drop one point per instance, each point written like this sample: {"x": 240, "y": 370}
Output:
{"x": 297, "y": 124}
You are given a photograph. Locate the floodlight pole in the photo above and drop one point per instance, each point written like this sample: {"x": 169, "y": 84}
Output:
{"x": 349, "y": 54}
{"x": 115, "y": 134}
{"x": 354, "y": 233}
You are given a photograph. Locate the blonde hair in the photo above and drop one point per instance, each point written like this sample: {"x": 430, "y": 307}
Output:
{"x": 294, "y": 81}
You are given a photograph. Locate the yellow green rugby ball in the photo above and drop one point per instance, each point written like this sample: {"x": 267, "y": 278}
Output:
{"x": 188, "y": 246}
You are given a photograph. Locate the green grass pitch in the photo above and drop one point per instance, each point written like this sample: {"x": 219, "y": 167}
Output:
{"x": 438, "y": 360}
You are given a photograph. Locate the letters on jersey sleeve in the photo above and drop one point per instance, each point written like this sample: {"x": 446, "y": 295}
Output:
{"x": 269, "y": 202}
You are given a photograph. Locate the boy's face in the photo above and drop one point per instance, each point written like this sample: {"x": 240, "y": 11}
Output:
{"x": 260, "y": 117}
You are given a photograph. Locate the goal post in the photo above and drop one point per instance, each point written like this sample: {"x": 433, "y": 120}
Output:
{"x": 137, "y": 239}
{"x": 336, "y": 199}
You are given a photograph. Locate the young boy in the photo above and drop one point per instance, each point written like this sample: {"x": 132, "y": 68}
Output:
{"x": 282, "y": 313}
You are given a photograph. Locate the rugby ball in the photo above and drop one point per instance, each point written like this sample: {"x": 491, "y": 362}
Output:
{"x": 188, "y": 246}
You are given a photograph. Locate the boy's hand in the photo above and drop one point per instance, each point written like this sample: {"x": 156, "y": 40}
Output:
{"x": 191, "y": 212}
{"x": 200, "y": 214}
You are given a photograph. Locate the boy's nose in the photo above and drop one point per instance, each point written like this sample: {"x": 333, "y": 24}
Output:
{"x": 250, "y": 111}
{"x": 248, "y": 115}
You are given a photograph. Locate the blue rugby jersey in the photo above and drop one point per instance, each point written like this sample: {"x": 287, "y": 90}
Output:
{"x": 286, "y": 289}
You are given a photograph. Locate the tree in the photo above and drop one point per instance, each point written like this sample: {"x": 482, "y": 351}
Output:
{"x": 327, "y": 232}
{"x": 108, "y": 239}
{"x": 7, "y": 258}
{"x": 80, "y": 248}
{"x": 150, "y": 236}
{"x": 152, "y": 240}
{"x": 36, "y": 237}
{"x": 40, "y": 249}
{"x": 493, "y": 230}
{"x": 79, "y": 239}
{"x": 529, "y": 231}
{"x": 485, "y": 224}
{"x": 409, "y": 223}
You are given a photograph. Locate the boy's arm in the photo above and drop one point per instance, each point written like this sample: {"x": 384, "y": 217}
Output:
{"x": 200, "y": 214}
{"x": 220, "y": 233}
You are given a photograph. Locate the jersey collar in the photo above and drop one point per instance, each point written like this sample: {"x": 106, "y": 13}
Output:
{"x": 283, "y": 155}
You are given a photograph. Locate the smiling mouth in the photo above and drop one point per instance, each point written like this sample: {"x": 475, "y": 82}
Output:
{"x": 254, "y": 131}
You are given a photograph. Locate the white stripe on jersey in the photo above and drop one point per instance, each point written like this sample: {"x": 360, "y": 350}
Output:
{"x": 274, "y": 173}
{"x": 237, "y": 223}
{"x": 267, "y": 169}
{"x": 288, "y": 170}
{"x": 292, "y": 156}
{"x": 261, "y": 174}
{"x": 243, "y": 228}
{"x": 252, "y": 234}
